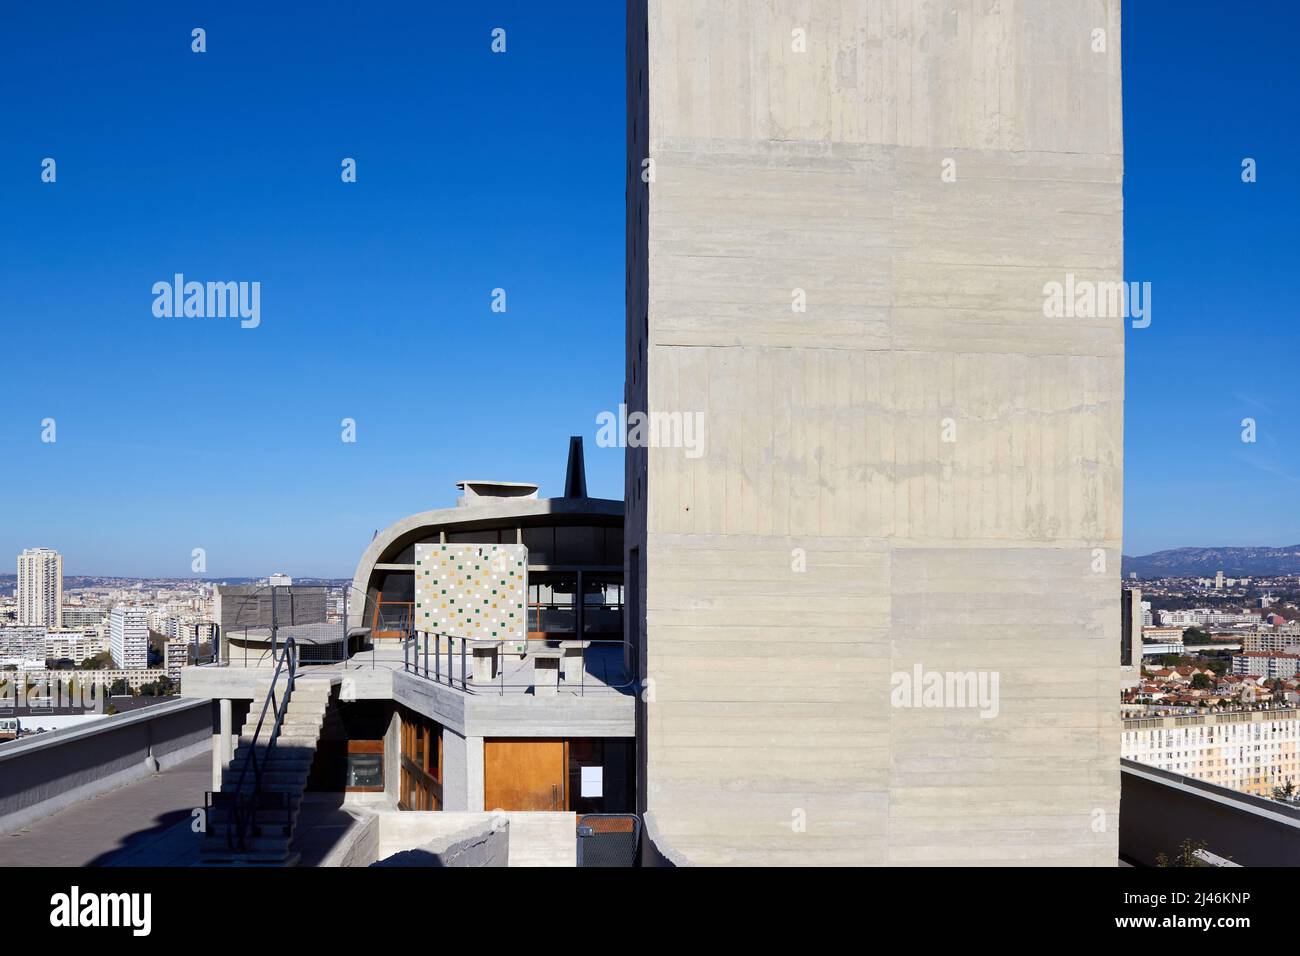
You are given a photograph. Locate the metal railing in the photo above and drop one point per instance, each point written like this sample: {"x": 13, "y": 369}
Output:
{"x": 243, "y": 808}
{"x": 258, "y": 623}
{"x": 214, "y": 643}
{"x": 434, "y": 656}
{"x": 608, "y": 839}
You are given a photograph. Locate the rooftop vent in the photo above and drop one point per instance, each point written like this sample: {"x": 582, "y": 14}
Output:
{"x": 476, "y": 493}
{"x": 575, "y": 475}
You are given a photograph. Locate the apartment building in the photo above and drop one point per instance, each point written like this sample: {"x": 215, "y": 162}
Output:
{"x": 1282, "y": 639}
{"x": 1266, "y": 664}
{"x": 135, "y": 677}
{"x": 1251, "y": 751}
{"x": 128, "y": 637}
{"x": 82, "y": 617}
{"x": 22, "y": 645}
{"x": 178, "y": 656}
{"x": 73, "y": 645}
{"x": 1201, "y": 617}
{"x": 838, "y": 253}
{"x": 40, "y": 587}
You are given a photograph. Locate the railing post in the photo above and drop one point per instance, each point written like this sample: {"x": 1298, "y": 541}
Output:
{"x": 437, "y": 658}
{"x": 406, "y": 653}
{"x": 463, "y": 685}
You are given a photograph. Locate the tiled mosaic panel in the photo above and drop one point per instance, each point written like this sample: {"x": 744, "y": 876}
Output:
{"x": 475, "y": 591}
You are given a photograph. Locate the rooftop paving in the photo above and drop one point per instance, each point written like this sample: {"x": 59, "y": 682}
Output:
{"x": 144, "y": 823}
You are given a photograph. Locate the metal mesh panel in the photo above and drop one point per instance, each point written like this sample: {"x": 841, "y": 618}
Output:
{"x": 608, "y": 839}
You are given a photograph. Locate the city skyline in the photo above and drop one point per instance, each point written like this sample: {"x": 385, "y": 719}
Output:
{"x": 228, "y": 439}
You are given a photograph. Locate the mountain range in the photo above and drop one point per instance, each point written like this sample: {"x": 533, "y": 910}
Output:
{"x": 1204, "y": 562}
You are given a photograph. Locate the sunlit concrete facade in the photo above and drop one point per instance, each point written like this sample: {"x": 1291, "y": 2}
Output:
{"x": 840, "y": 259}
{"x": 1250, "y": 751}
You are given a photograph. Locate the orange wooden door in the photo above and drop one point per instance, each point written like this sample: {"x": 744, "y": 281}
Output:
{"x": 525, "y": 774}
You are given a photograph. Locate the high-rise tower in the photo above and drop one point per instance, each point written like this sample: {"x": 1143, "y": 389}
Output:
{"x": 40, "y": 587}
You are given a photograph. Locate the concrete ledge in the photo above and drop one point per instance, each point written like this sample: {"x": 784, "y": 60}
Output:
{"x": 1159, "y": 810}
{"x": 359, "y": 845}
{"x": 42, "y": 775}
{"x": 478, "y": 845}
{"x": 655, "y": 850}
{"x": 399, "y": 838}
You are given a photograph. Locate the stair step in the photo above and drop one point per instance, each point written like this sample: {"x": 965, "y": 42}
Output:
{"x": 284, "y": 740}
{"x": 219, "y": 817}
{"x": 284, "y": 770}
{"x": 230, "y": 779}
{"x": 256, "y": 847}
{"x": 286, "y": 730}
{"x": 276, "y": 758}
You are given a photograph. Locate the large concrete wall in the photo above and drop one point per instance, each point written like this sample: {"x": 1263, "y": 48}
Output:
{"x": 45, "y": 773}
{"x": 919, "y": 469}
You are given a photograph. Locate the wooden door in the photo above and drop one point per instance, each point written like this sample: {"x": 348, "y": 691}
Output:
{"x": 525, "y": 774}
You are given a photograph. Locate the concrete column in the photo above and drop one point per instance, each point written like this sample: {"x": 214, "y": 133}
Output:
{"x": 393, "y": 759}
{"x": 474, "y": 774}
{"x": 222, "y": 750}
{"x": 455, "y": 792}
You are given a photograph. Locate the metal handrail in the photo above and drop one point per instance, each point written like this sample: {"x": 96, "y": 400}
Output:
{"x": 214, "y": 649}
{"x": 415, "y": 660}
{"x": 237, "y": 840}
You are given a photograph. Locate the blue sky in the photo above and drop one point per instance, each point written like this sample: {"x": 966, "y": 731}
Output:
{"x": 475, "y": 171}
{"x": 1202, "y": 90}
{"x": 478, "y": 171}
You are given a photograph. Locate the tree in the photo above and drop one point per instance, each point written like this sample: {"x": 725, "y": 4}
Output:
{"x": 1186, "y": 855}
{"x": 99, "y": 662}
{"x": 1200, "y": 682}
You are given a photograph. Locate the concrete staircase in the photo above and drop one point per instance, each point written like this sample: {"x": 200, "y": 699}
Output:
{"x": 284, "y": 777}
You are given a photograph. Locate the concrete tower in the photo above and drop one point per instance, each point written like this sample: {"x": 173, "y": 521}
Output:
{"x": 877, "y": 605}
{"x": 40, "y": 587}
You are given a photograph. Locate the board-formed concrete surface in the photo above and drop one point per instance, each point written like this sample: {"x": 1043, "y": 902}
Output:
{"x": 916, "y": 469}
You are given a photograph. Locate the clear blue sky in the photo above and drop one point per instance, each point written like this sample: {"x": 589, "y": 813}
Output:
{"x": 476, "y": 171}
{"x": 1205, "y": 85}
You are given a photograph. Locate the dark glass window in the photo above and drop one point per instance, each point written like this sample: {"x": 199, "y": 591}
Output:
{"x": 486, "y": 536}
{"x": 366, "y": 771}
{"x": 613, "y": 547}
{"x": 541, "y": 545}
{"x": 579, "y": 545}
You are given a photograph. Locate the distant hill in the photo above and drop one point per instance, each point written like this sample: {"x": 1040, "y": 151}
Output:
{"x": 1203, "y": 562}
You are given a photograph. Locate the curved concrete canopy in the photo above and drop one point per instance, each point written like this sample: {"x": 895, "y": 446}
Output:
{"x": 396, "y": 537}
